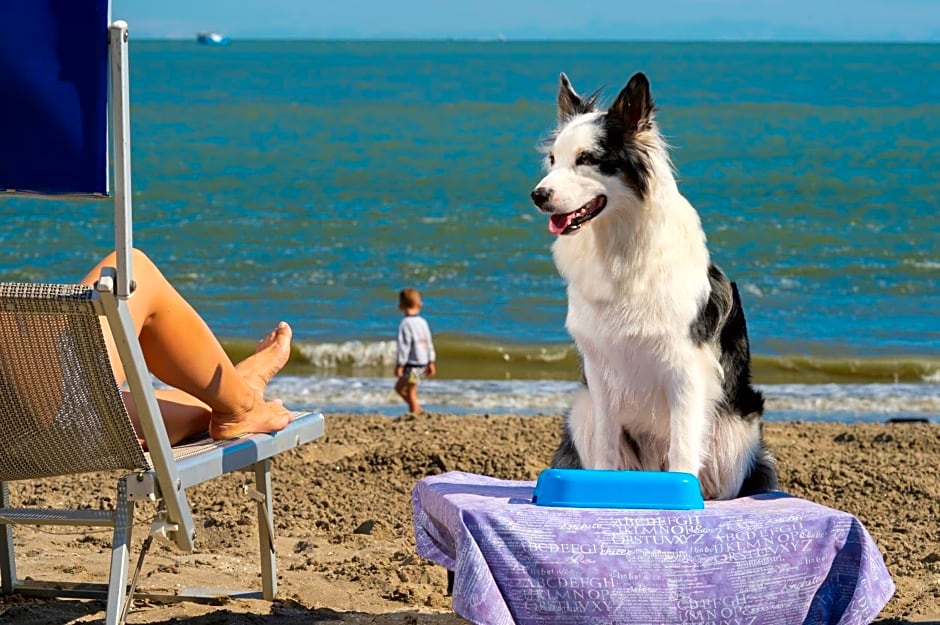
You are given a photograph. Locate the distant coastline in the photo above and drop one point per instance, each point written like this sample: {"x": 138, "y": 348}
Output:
{"x": 527, "y": 40}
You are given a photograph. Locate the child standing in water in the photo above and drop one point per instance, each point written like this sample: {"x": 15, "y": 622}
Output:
{"x": 415, "y": 356}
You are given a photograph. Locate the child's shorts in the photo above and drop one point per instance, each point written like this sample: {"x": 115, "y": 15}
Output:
{"x": 412, "y": 374}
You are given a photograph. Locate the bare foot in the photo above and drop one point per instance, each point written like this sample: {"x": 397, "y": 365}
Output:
{"x": 262, "y": 417}
{"x": 271, "y": 354}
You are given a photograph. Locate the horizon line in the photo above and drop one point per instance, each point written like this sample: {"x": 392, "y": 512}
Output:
{"x": 503, "y": 39}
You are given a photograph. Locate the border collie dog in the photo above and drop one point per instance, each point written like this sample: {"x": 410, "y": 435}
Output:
{"x": 659, "y": 328}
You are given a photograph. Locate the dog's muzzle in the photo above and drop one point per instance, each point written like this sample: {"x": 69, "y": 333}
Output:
{"x": 567, "y": 223}
{"x": 541, "y": 196}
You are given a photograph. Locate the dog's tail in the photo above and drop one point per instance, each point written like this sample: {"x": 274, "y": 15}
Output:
{"x": 763, "y": 475}
{"x": 566, "y": 456}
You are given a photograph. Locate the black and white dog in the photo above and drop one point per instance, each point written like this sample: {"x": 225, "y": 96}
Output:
{"x": 660, "y": 329}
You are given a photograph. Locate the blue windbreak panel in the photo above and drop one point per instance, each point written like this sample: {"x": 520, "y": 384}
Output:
{"x": 54, "y": 96}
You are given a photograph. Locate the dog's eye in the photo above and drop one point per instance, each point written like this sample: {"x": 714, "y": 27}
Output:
{"x": 585, "y": 158}
{"x": 551, "y": 159}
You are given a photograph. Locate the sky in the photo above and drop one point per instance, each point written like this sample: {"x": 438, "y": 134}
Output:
{"x": 760, "y": 20}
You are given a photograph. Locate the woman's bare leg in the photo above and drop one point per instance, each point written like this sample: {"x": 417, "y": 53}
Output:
{"x": 183, "y": 415}
{"x": 181, "y": 350}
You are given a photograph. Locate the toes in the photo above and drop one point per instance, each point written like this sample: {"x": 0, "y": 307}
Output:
{"x": 281, "y": 335}
{"x": 283, "y": 331}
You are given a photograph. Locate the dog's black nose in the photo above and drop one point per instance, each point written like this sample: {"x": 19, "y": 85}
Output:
{"x": 541, "y": 196}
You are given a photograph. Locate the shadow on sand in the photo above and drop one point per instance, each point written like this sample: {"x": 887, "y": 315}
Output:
{"x": 23, "y": 611}
{"x": 28, "y": 611}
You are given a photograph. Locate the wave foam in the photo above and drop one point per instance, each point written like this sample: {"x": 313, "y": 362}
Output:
{"x": 356, "y": 354}
{"x": 784, "y": 402}
{"x": 465, "y": 358}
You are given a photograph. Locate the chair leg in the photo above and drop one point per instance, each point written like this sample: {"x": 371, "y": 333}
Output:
{"x": 7, "y": 557}
{"x": 266, "y": 529}
{"x": 117, "y": 580}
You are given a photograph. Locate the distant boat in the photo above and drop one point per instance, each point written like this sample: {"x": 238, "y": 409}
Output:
{"x": 211, "y": 39}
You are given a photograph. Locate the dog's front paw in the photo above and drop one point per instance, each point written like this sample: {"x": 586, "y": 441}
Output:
{"x": 685, "y": 465}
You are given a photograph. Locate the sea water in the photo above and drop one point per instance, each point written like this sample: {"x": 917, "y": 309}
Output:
{"x": 310, "y": 180}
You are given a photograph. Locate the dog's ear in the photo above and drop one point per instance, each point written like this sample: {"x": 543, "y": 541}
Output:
{"x": 569, "y": 102}
{"x": 634, "y": 105}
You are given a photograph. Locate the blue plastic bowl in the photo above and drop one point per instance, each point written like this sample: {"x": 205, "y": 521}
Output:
{"x": 591, "y": 488}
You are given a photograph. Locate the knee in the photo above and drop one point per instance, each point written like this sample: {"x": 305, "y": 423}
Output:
{"x": 141, "y": 260}
{"x": 138, "y": 258}
{"x": 146, "y": 271}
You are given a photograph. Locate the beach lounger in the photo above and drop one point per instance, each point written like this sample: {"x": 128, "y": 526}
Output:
{"x": 61, "y": 411}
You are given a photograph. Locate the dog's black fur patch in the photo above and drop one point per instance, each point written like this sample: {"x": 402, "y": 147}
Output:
{"x": 721, "y": 319}
{"x": 566, "y": 456}
{"x": 630, "y": 114}
{"x": 624, "y": 157}
{"x": 763, "y": 475}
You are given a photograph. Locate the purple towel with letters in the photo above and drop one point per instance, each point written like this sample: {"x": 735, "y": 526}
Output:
{"x": 768, "y": 559}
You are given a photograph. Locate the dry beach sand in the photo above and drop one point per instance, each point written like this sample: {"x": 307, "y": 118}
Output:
{"x": 345, "y": 540}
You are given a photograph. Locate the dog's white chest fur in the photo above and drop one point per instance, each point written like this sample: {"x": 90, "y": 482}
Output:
{"x": 623, "y": 275}
{"x": 624, "y": 272}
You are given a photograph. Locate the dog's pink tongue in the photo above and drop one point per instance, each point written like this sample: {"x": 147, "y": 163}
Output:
{"x": 558, "y": 223}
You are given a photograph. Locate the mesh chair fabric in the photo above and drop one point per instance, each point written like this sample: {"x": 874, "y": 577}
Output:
{"x": 61, "y": 410}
